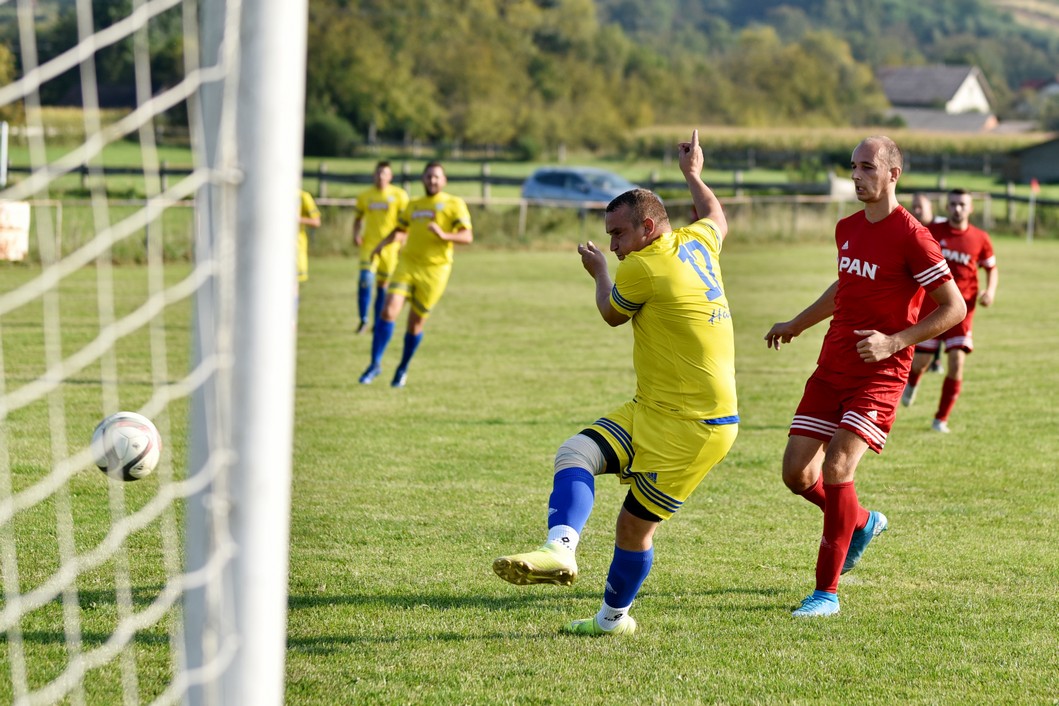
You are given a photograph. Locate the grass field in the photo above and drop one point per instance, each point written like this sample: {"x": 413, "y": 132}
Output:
{"x": 402, "y": 498}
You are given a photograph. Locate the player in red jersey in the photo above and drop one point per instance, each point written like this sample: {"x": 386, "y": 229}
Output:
{"x": 886, "y": 258}
{"x": 966, "y": 248}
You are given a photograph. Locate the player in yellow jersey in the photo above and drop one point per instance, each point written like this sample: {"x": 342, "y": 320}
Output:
{"x": 377, "y": 211}
{"x": 428, "y": 228}
{"x": 683, "y": 419}
{"x": 308, "y": 217}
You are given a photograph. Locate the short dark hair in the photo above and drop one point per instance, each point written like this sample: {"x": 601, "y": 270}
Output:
{"x": 382, "y": 163}
{"x": 643, "y": 203}
{"x": 959, "y": 192}
{"x": 433, "y": 164}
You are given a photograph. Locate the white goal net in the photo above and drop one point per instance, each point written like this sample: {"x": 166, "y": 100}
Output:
{"x": 151, "y": 269}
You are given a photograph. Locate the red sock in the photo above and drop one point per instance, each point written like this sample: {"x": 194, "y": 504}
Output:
{"x": 840, "y": 517}
{"x": 815, "y": 493}
{"x": 950, "y": 390}
{"x": 913, "y": 377}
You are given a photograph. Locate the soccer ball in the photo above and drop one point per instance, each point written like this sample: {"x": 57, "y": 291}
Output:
{"x": 126, "y": 445}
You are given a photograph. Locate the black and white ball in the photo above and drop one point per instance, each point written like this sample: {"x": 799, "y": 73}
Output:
{"x": 126, "y": 445}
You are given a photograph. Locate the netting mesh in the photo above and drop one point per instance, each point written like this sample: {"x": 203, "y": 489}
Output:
{"x": 95, "y": 572}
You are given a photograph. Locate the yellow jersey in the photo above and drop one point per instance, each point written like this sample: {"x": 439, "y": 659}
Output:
{"x": 683, "y": 339}
{"x": 423, "y": 247}
{"x": 309, "y": 209}
{"x": 379, "y": 210}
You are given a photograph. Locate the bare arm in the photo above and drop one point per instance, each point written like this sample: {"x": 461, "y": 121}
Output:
{"x": 595, "y": 262}
{"x": 464, "y": 236}
{"x": 398, "y": 236}
{"x": 311, "y": 222}
{"x": 991, "y": 280}
{"x": 813, "y": 314}
{"x": 951, "y": 309}
{"x": 358, "y": 231}
{"x": 706, "y": 203}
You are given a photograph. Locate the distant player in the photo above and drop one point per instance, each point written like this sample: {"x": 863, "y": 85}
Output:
{"x": 885, "y": 260}
{"x": 966, "y": 248}
{"x": 377, "y": 210}
{"x": 923, "y": 210}
{"x": 308, "y": 217}
{"x": 683, "y": 419}
{"x": 428, "y": 228}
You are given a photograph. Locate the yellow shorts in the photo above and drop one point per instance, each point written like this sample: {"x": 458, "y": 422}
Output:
{"x": 422, "y": 286}
{"x": 663, "y": 458}
{"x": 384, "y": 264}
{"x": 303, "y": 257}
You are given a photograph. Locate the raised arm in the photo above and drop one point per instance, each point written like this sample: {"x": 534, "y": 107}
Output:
{"x": 706, "y": 203}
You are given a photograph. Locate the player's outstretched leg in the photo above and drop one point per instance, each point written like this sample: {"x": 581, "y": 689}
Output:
{"x": 552, "y": 563}
{"x": 876, "y": 525}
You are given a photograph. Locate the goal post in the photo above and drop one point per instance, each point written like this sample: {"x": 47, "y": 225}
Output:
{"x": 172, "y": 589}
{"x": 266, "y": 176}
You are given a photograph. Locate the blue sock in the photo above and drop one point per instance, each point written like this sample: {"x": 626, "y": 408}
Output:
{"x": 627, "y": 573}
{"x": 380, "y": 299}
{"x": 364, "y": 287}
{"x": 380, "y": 338}
{"x": 411, "y": 342}
{"x": 572, "y": 498}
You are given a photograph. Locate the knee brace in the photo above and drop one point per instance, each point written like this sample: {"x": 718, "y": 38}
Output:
{"x": 579, "y": 451}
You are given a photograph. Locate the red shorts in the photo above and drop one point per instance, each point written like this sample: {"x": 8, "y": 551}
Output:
{"x": 866, "y": 407}
{"x": 959, "y": 336}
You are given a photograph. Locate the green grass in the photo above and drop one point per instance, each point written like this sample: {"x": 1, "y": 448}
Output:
{"x": 402, "y": 498}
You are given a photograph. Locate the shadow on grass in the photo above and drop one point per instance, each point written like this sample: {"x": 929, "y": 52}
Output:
{"x": 88, "y": 638}
{"x": 334, "y": 643}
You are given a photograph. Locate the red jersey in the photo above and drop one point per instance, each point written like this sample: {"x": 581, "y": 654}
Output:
{"x": 966, "y": 251}
{"x": 883, "y": 269}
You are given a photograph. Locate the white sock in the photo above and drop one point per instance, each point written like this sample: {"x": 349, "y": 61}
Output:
{"x": 608, "y": 618}
{"x": 564, "y": 536}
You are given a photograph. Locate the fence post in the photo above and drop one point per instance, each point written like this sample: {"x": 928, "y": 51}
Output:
{"x": 321, "y": 177}
{"x": 163, "y": 175}
{"x": 485, "y": 182}
{"x": 737, "y": 181}
{"x": 1009, "y": 192}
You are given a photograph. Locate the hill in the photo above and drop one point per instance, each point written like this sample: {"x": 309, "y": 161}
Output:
{"x": 1038, "y": 14}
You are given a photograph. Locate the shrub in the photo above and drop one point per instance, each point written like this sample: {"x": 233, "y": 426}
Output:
{"x": 328, "y": 135}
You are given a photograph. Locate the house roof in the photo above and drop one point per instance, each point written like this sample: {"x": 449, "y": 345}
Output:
{"x": 926, "y": 86}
